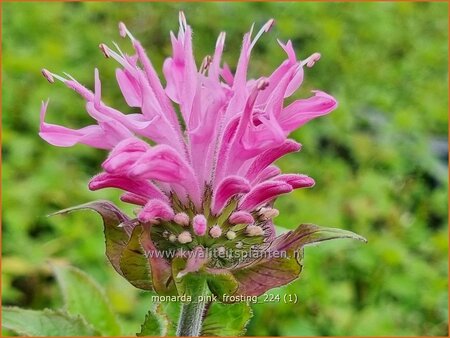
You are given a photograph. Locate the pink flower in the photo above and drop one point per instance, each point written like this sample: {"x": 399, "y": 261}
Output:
{"x": 214, "y": 169}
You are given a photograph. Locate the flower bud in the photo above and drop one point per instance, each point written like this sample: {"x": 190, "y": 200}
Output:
{"x": 231, "y": 235}
{"x": 184, "y": 237}
{"x": 181, "y": 218}
{"x": 268, "y": 213}
{"x": 199, "y": 225}
{"x": 215, "y": 231}
{"x": 254, "y": 230}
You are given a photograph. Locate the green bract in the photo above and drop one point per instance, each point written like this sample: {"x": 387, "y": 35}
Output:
{"x": 261, "y": 267}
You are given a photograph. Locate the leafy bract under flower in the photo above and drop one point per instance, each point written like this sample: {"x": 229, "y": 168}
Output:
{"x": 203, "y": 178}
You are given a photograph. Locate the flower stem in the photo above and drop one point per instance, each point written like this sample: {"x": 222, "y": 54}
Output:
{"x": 191, "y": 316}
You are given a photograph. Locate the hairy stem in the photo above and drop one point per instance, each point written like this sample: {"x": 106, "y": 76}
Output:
{"x": 191, "y": 316}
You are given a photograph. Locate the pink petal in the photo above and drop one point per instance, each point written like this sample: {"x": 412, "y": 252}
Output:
{"x": 244, "y": 58}
{"x": 270, "y": 156}
{"x": 214, "y": 70}
{"x": 140, "y": 187}
{"x": 224, "y": 146}
{"x": 131, "y": 144}
{"x": 267, "y": 173}
{"x": 258, "y": 138}
{"x": 130, "y": 88}
{"x": 129, "y": 197}
{"x": 101, "y": 112}
{"x": 301, "y": 111}
{"x": 239, "y": 99}
{"x": 281, "y": 72}
{"x": 278, "y": 90}
{"x": 296, "y": 181}
{"x": 241, "y": 217}
{"x": 202, "y": 128}
{"x": 161, "y": 130}
{"x": 227, "y": 75}
{"x": 163, "y": 163}
{"x": 229, "y": 187}
{"x": 150, "y": 104}
{"x": 181, "y": 72}
{"x": 124, "y": 155}
{"x": 263, "y": 193}
{"x": 104, "y": 136}
{"x": 160, "y": 163}
{"x": 172, "y": 75}
{"x": 235, "y": 154}
{"x": 156, "y": 85}
{"x": 155, "y": 209}
{"x": 153, "y": 122}
{"x": 80, "y": 89}
{"x": 298, "y": 78}
{"x": 294, "y": 83}
{"x": 289, "y": 49}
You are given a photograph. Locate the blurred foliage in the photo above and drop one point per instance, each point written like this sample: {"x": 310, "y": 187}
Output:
{"x": 380, "y": 160}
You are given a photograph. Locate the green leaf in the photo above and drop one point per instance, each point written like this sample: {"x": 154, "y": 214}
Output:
{"x": 265, "y": 274}
{"x": 221, "y": 282}
{"x": 159, "y": 269}
{"x": 282, "y": 262}
{"x": 154, "y": 324}
{"x": 226, "y": 319}
{"x": 171, "y": 312}
{"x": 189, "y": 284}
{"x": 190, "y": 275}
{"x": 307, "y": 234}
{"x": 279, "y": 230}
{"x": 83, "y": 296}
{"x": 45, "y": 323}
{"x": 116, "y": 237}
{"x": 134, "y": 264}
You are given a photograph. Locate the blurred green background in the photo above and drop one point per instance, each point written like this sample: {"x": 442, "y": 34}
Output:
{"x": 380, "y": 160}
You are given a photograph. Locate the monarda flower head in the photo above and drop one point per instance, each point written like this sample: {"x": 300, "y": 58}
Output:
{"x": 198, "y": 162}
